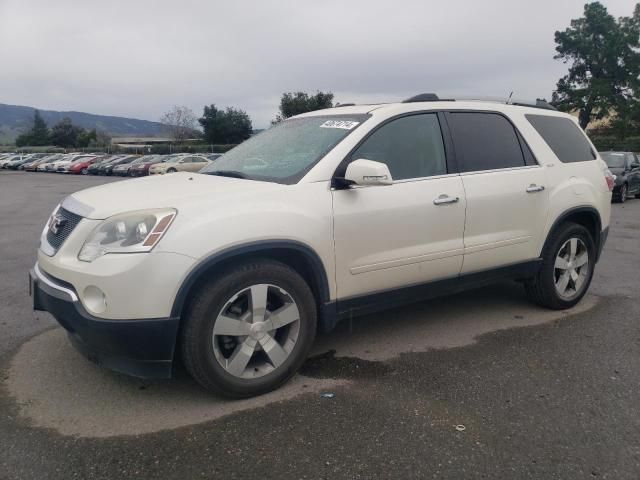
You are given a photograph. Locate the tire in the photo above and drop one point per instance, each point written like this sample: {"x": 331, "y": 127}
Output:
{"x": 543, "y": 288}
{"x": 85, "y": 171}
{"x": 171, "y": 170}
{"x": 622, "y": 196}
{"x": 217, "y": 361}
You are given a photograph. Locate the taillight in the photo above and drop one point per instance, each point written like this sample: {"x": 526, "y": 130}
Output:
{"x": 610, "y": 178}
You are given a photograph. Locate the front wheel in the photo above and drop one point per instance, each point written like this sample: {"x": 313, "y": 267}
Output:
{"x": 249, "y": 330}
{"x": 85, "y": 171}
{"x": 171, "y": 170}
{"x": 567, "y": 268}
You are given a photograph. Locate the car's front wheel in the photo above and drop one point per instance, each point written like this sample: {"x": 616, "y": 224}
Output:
{"x": 567, "y": 268}
{"x": 248, "y": 331}
{"x": 171, "y": 170}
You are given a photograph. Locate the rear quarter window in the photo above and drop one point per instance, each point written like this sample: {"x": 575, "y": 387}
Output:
{"x": 563, "y": 136}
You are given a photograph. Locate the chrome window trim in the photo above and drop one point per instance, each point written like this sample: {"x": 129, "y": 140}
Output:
{"x": 507, "y": 169}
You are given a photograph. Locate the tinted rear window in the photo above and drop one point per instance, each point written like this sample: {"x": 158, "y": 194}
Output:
{"x": 564, "y": 137}
{"x": 484, "y": 141}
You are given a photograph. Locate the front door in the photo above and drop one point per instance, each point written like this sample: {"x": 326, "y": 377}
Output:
{"x": 410, "y": 232}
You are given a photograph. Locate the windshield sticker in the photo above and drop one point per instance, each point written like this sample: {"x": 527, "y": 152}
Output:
{"x": 343, "y": 124}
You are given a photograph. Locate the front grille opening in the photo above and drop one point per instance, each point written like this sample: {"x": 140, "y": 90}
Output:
{"x": 72, "y": 220}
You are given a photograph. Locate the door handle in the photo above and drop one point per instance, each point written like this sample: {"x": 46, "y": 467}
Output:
{"x": 535, "y": 188}
{"x": 445, "y": 199}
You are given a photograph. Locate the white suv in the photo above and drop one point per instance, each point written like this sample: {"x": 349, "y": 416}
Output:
{"x": 329, "y": 214}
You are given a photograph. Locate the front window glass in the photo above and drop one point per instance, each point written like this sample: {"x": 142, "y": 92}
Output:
{"x": 287, "y": 151}
{"x": 411, "y": 146}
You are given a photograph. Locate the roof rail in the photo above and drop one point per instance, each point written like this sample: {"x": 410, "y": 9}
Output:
{"x": 422, "y": 97}
{"x": 538, "y": 104}
{"x": 432, "y": 97}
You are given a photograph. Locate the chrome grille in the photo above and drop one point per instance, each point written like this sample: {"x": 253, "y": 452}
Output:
{"x": 70, "y": 220}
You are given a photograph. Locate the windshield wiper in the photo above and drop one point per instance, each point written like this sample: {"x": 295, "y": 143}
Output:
{"x": 228, "y": 173}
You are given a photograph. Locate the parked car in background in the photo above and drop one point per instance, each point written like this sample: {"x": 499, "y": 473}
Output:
{"x": 626, "y": 168}
{"x": 17, "y": 162}
{"x": 30, "y": 158}
{"x": 81, "y": 166}
{"x": 123, "y": 169}
{"x": 64, "y": 165}
{"x": 33, "y": 166}
{"x": 10, "y": 158}
{"x": 94, "y": 169}
{"x": 186, "y": 163}
{"x": 329, "y": 214}
{"x": 107, "y": 168}
{"x": 141, "y": 168}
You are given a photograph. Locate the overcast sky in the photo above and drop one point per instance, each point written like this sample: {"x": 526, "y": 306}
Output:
{"x": 137, "y": 58}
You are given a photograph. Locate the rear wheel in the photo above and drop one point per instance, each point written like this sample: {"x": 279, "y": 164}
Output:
{"x": 567, "y": 268}
{"x": 171, "y": 170}
{"x": 85, "y": 171}
{"x": 622, "y": 196}
{"x": 249, "y": 330}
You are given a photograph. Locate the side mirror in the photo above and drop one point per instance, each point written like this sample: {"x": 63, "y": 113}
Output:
{"x": 369, "y": 173}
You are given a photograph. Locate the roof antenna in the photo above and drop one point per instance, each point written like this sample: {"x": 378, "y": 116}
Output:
{"x": 509, "y": 99}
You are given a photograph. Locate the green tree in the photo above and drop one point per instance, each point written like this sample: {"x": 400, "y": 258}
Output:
{"x": 38, "y": 135}
{"x": 40, "y": 132}
{"x": 604, "y": 63}
{"x": 301, "y": 102}
{"x": 65, "y": 134}
{"x": 87, "y": 138}
{"x": 229, "y": 126}
{"x": 23, "y": 140}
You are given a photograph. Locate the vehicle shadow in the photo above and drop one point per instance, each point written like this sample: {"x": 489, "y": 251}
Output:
{"x": 55, "y": 387}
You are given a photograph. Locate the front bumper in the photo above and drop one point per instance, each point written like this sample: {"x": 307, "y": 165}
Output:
{"x": 141, "y": 348}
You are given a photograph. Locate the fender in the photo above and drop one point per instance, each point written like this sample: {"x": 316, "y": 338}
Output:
{"x": 313, "y": 259}
{"x": 599, "y": 236}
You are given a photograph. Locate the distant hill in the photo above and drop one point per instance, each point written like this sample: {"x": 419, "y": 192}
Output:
{"x": 15, "y": 119}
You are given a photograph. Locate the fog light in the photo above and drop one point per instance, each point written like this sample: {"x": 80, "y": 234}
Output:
{"x": 94, "y": 299}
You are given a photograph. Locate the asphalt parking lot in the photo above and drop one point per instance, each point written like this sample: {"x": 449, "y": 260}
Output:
{"x": 479, "y": 385}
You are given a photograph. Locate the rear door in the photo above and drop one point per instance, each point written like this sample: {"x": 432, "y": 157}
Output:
{"x": 507, "y": 201}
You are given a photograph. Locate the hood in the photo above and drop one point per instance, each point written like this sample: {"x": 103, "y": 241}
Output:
{"x": 178, "y": 190}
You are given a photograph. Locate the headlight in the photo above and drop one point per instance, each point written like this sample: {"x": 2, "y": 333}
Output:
{"x": 131, "y": 232}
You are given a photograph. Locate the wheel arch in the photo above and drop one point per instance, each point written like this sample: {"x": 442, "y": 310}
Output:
{"x": 296, "y": 255}
{"x": 587, "y": 216}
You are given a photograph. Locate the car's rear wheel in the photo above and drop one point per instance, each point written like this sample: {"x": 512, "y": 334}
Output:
{"x": 622, "y": 196}
{"x": 567, "y": 268}
{"x": 171, "y": 170}
{"x": 249, "y": 330}
{"x": 85, "y": 171}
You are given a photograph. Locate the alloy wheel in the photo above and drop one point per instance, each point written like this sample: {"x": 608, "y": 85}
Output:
{"x": 571, "y": 268}
{"x": 256, "y": 331}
